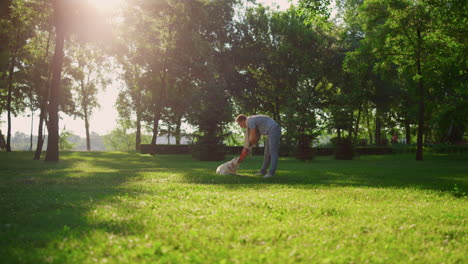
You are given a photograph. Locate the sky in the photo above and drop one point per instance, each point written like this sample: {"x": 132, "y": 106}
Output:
{"x": 103, "y": 119}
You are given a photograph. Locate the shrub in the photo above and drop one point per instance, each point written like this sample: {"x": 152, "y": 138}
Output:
{"x": 285, "y": 150}
{"x": 344, "y": 149}
{"x": 304, "y": 150}
{"x": 208, "y": 148}
{"x": 64, "y": 143}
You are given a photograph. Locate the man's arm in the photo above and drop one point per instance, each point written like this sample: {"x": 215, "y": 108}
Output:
{"x": 254, "y": 136}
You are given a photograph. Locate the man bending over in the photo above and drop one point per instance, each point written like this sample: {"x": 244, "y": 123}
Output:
{"x": 262, "y": 125}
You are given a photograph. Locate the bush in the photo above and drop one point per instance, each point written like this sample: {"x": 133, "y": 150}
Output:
{"x": 344, "y": 149}
{"x": 64, "y": 143}
{"x": 448, "y": 148}
{"x": 208, "y": 148}
{"x": 165, "y": 149}
{"x": 119, "y": 140}
{"x": 304, "y": 150}
{"x": 285, "y": 150}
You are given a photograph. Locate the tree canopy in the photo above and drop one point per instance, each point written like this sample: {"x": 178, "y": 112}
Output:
{"x": 376, "y": 70}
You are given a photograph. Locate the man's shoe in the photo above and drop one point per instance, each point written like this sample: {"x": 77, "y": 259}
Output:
{"x": 260, "y": 173}
{"x": 266, "y": 176}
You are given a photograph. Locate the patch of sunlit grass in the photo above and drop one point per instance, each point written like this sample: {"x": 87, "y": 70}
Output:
{"x": 133, "y": 208}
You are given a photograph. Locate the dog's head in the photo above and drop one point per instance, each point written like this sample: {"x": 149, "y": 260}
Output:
{"x": 235, "y": 163}
{"x": 229, "y": 167}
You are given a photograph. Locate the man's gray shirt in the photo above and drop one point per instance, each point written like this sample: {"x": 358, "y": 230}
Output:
{"x": 262, "y": 122}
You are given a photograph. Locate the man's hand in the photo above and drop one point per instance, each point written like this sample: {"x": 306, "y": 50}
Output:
{"x": 244, "y": 154}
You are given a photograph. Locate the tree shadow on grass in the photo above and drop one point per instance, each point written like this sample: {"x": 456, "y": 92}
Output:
{"x": 44, "y": 203}
{"x": 437, "y": 173}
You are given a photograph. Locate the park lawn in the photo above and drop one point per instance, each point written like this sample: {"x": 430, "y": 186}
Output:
{"x": 134, "y": 208}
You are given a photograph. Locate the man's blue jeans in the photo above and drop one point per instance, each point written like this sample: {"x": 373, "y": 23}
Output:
{"x": 271, "y": 154}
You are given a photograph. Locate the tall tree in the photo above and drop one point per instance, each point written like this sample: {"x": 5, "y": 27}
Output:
{"x": 215, "y": 63}
{"x": 5, "y": 11}
{"x": 147, "y": 82}
{"x": 283, "y": 59}
{"x": 410, "y": 34}
{"x": 159, "y": 43}
{"x": 40, "y": 63}
{"x": 70, "y": 17}
{"x": 87, "y": 68}
{"x": 52, "y": 154}
{"x": 34, "y": 75}
{"x": 44, "y": 76}
{"x": 19, "y": 26}
{"x": 133, "y": 101}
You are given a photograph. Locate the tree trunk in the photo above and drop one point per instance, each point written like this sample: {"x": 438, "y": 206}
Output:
{"x": 2, "y": 141}
{"x": 408, "y": 131}
{"x": 40, "y": 138}
{"x": 88, "y": 139}
{"x": 53, "y": 125}
{"x": 31, "y": 136}
{"x": 168, "y": 135}
{"x": 138, "y": 121}
{"x": 419, "y": 148}
{"x": 276, "y": 114}
{"x": 177, "y": 131}
{"x": 449, "y": 132}
{"x": 138, "y": 132}
{"x": 378, "y": 127}
{"x": 358, "y": 119}
{"x": 156, "y": 118}
{"x": 9, "y": 98}
{"x": 158, "y": 108}
{"x": 371, "y": 141}
{"x": 427, "y": 136}
{"x": 43, "y": 111}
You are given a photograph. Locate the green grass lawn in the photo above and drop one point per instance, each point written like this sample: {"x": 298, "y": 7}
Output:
{"x": 133, "y": 208}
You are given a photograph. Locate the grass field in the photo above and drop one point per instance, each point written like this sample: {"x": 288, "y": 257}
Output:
{"x": 133, "y": 208}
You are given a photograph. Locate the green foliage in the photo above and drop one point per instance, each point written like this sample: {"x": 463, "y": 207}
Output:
{"x": 210, "y": 106}
{"x": 385, "y": 51}
{"x": 316, "y": 12}
{"x": 165, "y": 84}
{"x": 202, "y": 62}
{"x": 285, "y": 69}
{"x": 16, "y": 29}
{"x": 451, "y": 122}
{"x": 122, "y": 138}
{"x": 274, "y": 60}
{"x": 132, "y": 208}
{"x": 457, "y": 192}
{"x": 85, "y": 67}
{"x": 119, "y": 140}
{"x": 64, "y": 144}
{"x": 236, "y": 135}
{"x": 4, "y": 36}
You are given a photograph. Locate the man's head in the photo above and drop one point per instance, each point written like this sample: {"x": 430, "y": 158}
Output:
{"x": 242, "y": 120}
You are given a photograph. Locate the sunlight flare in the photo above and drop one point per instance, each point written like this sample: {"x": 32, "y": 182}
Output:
{"x": 106, "y": 5}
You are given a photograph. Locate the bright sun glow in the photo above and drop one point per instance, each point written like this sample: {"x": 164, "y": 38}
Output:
{"x": 106, "y": 5}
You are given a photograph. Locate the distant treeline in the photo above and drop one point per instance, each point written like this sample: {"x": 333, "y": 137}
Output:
{"x": 22, "y": 142}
